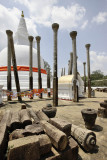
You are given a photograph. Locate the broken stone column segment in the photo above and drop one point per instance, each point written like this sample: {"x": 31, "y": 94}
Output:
{"x": 86, "y": 138}
{"x": 57, "y": 137}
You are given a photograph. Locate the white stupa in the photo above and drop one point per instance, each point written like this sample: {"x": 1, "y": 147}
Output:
{"x": 22, "y": 57}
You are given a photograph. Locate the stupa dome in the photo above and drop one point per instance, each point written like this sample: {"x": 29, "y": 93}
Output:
{"x": 21, "y": 44}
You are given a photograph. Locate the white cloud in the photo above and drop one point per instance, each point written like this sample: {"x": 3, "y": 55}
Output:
{"x": 47, "y": 12}
{"x": 98, "y": 61}
{"x": 100, "y": 18}
{"x": 84, "y": 24}
{"x": 9, "y": 20}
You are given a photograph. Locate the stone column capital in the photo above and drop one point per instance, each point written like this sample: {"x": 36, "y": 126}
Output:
{"x": 84, "y": 63}
{"x": 9, "y": 32}
{"x": 30, "y": 38}
{"x": 87, "y": 46}
{"x": 55, "y": 26}
{"x": 38, "y": 38}
{"x": 73, "y": 34}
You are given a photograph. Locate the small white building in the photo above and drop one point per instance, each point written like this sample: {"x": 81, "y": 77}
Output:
{"x": 65, "y": 87}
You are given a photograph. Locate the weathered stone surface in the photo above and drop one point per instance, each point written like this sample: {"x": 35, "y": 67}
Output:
{"x": 102, "y": 112}
{"x": 42, "y": 116}
{"x": 103, "y": 104}
{"x": 4, "y": 133}
{"x": 23, "y": 106}
{"x": 57, "y": 137}
{"x": 26, "y": 148}
{"x": 62, "y": 125}
{"x": 15, "y": 121}
{"x": 45, "y": 144}
{"x": 86, "y": 138}
{"x": 18, "y": 133}
{"x": 49, "y": 111}
{"x": 70, "y": 153}
{"x": 24, "y": 117}
{"x": 34, "y": 129}
{"x": 89, "y": 116}
{"x": 33, "y": 115}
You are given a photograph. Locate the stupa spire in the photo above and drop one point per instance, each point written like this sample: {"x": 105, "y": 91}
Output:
{"x": 22, "y": 14}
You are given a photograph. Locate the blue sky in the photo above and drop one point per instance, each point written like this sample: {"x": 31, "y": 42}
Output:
{"x": 88, "y": 18}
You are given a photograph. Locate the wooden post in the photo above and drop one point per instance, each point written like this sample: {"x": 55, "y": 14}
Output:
{"x": 15, "y": 66}
{"x": 30, "y": 65}
{"x": 38, "y": 38}
{"x": 55, "y": 27}
{"x": 9, "y": 33}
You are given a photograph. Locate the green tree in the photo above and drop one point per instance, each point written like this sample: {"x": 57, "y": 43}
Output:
{"x": 97, "y": 75}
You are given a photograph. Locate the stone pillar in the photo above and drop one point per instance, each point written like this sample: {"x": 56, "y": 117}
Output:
{"x": 64, "y": 71}
{"x": 9, "y": 34}
{"x": 88, "y": 70}
{"x": 73, "y": 35}
{"x": 71, "y": 62}
{"x": 55, "y": 27}
{"x": 38, "y": 38}
{"x": 14, "y": 65}
{"x": 68, "y": 67}
{"x": 48, "y": 81}
{"x": 84, "y": 76}
{"x": 30, "y": 64}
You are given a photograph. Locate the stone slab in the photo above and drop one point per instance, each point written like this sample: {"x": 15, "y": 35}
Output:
{"x": 26, "y": 148}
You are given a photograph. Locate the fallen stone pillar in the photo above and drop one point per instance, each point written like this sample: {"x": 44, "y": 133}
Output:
{"x": 30, "y": 64}
{"x": 42, "y": 116}
{"x": 55, "y": 27}
{"x": 57, "y": 137}
{"x": 26, "y": 148}
{"x": 4, "y": 133}
{"x": 38, "y": 38}
{"x": 15, "y": 121}
{"x": 34, "y": 129}
{"x": 70, "y": 153}
{"x": 24, "y": 118}
{"x": 88, "y": 70}
{"x": 86, "y": 138}
{"x": 61, "y": 125}
{"x": 33, "y": 115}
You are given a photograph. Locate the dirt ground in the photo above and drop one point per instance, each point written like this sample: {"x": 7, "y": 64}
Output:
{"x": 72, "y": 112}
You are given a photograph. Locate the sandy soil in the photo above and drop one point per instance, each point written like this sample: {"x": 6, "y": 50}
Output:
{"x": 72, "y": 112}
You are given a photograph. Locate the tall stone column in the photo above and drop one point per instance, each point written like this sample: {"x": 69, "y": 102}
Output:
{"x": 55, "y": 27}
{"x": 68, "y": 67}
{"x": 88, "y": 70}
{"x": 9, "y": 34}
{"x": 64, "y": 71}
{"x": 71, "y": 62}
{"x": 38, "y": 38}
{"x": 84, "y": 64}
{"x": 14, "y": 65}
{"x": 48, "y": 81}
{"x": 73, "y": 35}
{"x": 30, "y": 63}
